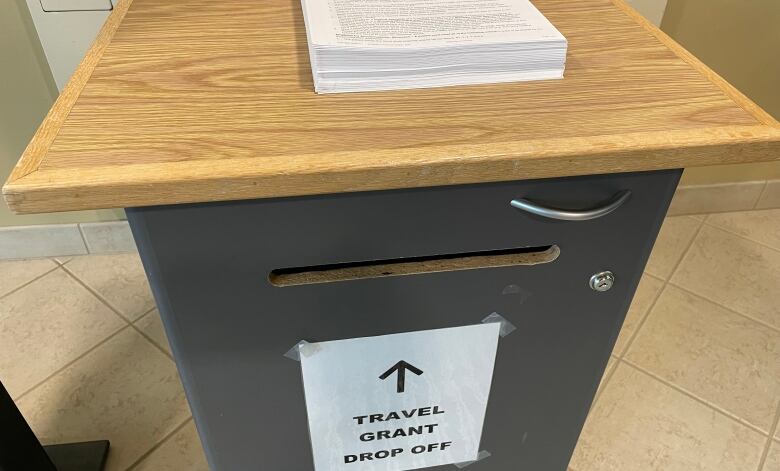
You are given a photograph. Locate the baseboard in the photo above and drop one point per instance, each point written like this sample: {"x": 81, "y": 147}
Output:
{"x": 725, "y": 197}
{"x": 60, "y": 240}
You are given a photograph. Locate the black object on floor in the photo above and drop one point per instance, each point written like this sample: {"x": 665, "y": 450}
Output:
{"x": 20, "y": 450}
{"x": 84, "y": 456}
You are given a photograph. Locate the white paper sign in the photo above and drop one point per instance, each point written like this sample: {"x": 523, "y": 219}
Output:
{"x": 401, "y": 401}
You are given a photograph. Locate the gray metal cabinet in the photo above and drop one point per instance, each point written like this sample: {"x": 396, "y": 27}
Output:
{"x": 229, "y": 326}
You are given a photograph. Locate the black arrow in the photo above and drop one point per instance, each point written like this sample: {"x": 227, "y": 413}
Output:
{"x": 401, "y": 367}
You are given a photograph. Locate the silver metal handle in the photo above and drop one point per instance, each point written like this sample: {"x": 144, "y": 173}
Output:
{"x": 565, "y": 215}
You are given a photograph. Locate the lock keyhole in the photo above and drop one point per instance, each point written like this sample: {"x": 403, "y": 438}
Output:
{"x": 602, "y": 281}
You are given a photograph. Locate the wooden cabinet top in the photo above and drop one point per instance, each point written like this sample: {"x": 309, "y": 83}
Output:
{"x": 204, "y": 100}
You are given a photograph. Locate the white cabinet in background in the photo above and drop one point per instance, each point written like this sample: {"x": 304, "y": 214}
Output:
{"x": 66, "y": 29}
{"x": 76, "y": 5}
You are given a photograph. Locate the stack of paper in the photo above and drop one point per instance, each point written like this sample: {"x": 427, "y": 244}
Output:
{"x": 361, "y": 45}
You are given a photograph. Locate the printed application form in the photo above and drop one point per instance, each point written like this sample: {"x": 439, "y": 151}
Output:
{"x": 424, "y": 23}
{"x": 358, "y": 45}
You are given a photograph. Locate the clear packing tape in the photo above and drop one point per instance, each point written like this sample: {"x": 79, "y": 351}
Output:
{"x": 306, "y": 349}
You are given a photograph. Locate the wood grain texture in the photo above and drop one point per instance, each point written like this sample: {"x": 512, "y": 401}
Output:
{"x": 210, "y": 101}
{"x": 711, "y": 75}
{"x": 46, "y": 133}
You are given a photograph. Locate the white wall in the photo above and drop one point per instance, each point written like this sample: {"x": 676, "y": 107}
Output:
{"x": 66, "y": 31}
{"x": 653, "y": 10}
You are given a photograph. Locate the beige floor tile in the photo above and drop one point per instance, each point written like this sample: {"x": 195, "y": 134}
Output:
{"x": 126, "y": 391}
{"x": 737, "y": 273}
{"x": 180, "y": 452}
{"x": 675, "y": 236}
{"x": 120, "y": 279}
{"x": 761, "y": 226}
{"x": 772, "y": 462}
{"x": 14, "y": 273}
{"x": 640, "y": 424}
{"x": 719, "y": 356}
{"x": 151, "y": 325}
{"x": 47, "y": 324}
{"x": 648, "y": 290}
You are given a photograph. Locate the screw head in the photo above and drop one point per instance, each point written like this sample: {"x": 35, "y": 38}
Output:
{"x": 602, "y": 281}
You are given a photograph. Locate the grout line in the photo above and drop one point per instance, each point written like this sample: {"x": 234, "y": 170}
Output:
{"x": 147, "y": 337}
{"x": 28, "y": 283}
{"x": 774, "y": 434}
{"x": 84, "y": 240}
{"x": 70, "y": 258}
{"x": 644, "y": 316}
{"x": 145, "y": 313}
{"x": 729, "y": 309}
{"x": 666, "y": 283}
{"x": 118, "y": 313}
{"x": 618, "y": 357}
{"x": 70, "y": 363}
{"x": 696, "y": 233}
{"x": 621, "y": 355}
{"x": 698, "y": 399}
{"x": 689, "y": 291}
{"x": 159, "y": 444}
{"x": 769, "y": 440}
{"x": 158, "y": 347}
{"x": 650, "y": 275}
{"x": 97, "y": 294}
{"x": 741, "y": 236}
{"x": 633, "y": 337}
{"x": 761, "y": 195}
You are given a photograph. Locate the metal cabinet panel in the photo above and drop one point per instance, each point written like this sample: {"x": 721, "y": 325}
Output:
{"x": 229, "y": 326}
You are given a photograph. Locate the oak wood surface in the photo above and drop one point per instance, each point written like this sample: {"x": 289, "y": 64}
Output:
{"x": 198, "y": 100}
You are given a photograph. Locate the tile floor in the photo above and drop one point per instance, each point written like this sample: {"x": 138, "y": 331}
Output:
{"x": 694, "y": 382}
